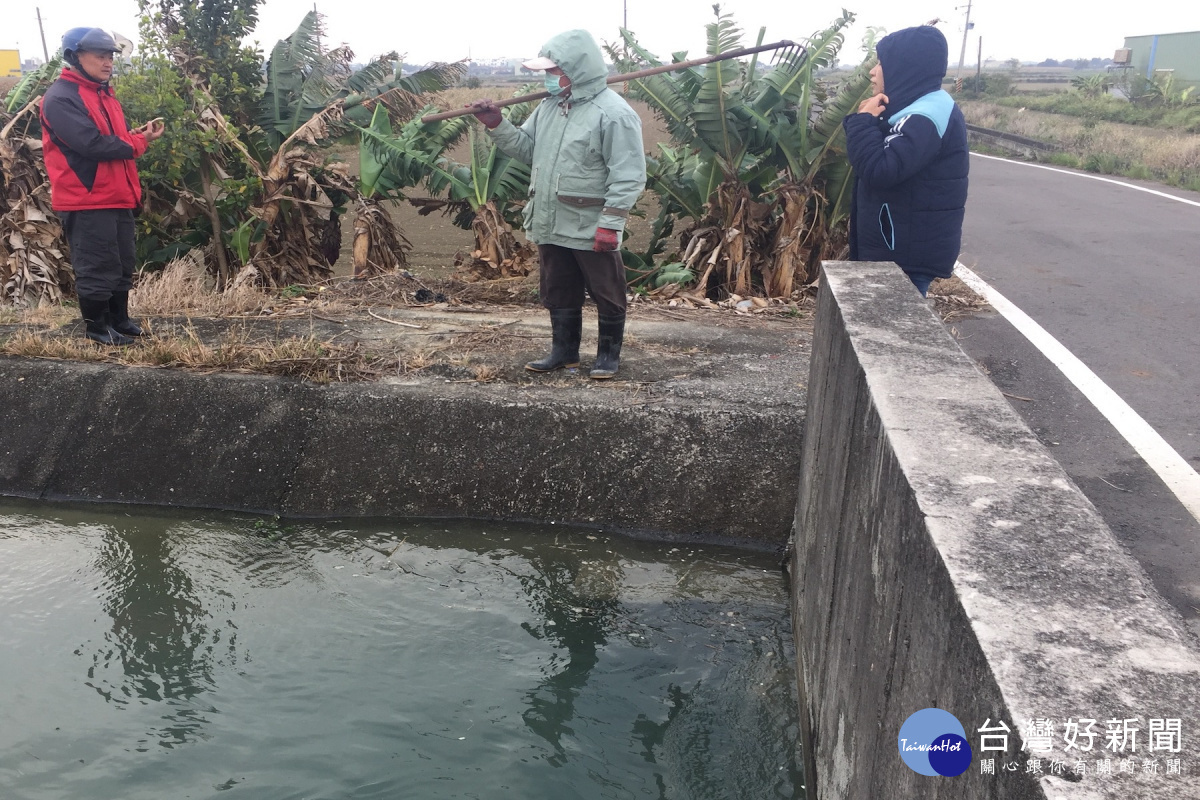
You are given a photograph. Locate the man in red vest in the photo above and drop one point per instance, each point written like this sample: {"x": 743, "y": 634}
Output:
{"x": 94, "y": 188}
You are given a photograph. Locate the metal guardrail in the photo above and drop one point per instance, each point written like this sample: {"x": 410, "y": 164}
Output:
{"x": 1010, "y": 141}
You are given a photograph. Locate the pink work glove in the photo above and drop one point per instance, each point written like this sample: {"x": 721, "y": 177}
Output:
{"x": 606, "y": 240}
{"x": 486, "y": 112}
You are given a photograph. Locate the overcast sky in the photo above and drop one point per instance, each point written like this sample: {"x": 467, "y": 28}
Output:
{"x": 1031, "y": 30}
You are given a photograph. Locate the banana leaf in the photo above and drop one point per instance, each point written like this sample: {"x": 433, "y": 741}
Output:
{"x": 716, "y": 126}
{"x": 381, "y": 70}
{"x": 827, "y": 128}
{"x": 791, "y": 80}
{"x": 32, "y": 85}
{"x": 284, "y": 97}
{"x": 671, "y": 100}
{"x": 370, "y": 166}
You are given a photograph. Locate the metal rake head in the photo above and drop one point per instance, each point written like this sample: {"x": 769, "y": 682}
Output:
{"x": 789, "y": 52}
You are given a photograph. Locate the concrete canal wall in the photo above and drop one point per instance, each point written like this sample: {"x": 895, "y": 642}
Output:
{"x": 707, "y": 454}
{"x": 944, "y": 559}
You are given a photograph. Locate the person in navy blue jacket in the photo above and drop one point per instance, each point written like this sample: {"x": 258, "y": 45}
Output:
{"x": 908, "y": 147}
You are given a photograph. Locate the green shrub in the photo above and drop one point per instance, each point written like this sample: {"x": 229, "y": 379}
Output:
{"x": 1063, "y": 160}
{"x": 1106, "y": 164}
{"x": 988, "y": 85}
{"x": 1109, "y": 109}
{"x": 1139, "y": 172}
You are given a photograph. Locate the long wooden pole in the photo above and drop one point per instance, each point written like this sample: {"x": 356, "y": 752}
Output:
{"x": 622, "y": 77}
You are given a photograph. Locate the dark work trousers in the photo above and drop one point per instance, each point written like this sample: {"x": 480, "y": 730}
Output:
{"x": 566, "y": 272}
{"x": 102, "y": 250}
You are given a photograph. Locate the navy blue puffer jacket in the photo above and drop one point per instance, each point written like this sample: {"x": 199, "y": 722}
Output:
{"x": 911, "y": 163}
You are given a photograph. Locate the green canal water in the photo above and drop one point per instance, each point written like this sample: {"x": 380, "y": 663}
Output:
{"x": 157, "y": 657}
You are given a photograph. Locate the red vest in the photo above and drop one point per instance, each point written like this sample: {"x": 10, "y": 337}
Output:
{"x": 87, "y": 146}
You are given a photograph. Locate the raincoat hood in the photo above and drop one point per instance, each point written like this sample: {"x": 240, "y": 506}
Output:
{"x": 578, "y": 56}
{"x": 914, "y": 63}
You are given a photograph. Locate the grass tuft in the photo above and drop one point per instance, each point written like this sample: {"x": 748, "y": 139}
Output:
{"x": 184, "y": 288}
{"x": 308, "y": 358}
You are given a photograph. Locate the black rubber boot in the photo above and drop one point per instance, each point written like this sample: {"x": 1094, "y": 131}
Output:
{"x": 566, "y": 326}
{"x": 118, "y": 315}
{"x": 95, "y": 317}
{"x": 608, "y": 351}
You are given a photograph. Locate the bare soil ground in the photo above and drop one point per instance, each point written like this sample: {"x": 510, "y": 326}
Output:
{"x": 347, "y": 330}
{"x": 410, "y": 328}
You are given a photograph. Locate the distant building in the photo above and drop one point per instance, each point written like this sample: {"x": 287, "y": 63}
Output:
{"x": 495, "y": 66}
{"x": 10, "y": 64}
{"x": 1176, "y": 53}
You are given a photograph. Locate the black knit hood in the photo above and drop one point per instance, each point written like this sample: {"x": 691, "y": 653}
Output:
{"x": 914, "y": 63}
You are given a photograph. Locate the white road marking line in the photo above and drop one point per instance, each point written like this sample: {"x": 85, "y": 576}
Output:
{"x": 1175, "y": 472}
{"x": 1093, "y": 178}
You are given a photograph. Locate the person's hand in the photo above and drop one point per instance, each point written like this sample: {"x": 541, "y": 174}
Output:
{"x": 487, "y": 112}
{"x": 873, "y": 105}
{"x": 607, "y": 240}
{"x": 152, "y": 129}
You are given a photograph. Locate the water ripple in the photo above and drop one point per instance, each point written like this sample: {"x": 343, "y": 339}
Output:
{"x": 166, "y": 657}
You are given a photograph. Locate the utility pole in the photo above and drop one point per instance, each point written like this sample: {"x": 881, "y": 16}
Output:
{"x": 625, "y": 12}
{"x": 41, "y": 30}
{"x": 962, "y": 56}
{"x": 979, "y": 64}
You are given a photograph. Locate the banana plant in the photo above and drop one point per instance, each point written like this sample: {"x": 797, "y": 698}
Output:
{"x": 312, "y": 97}
{"x": 757, "y": 163}
{"x": 32, "y": 85}
{"x": 389, "y": 163}
{"x": 1092, "y": 86}
{"x": 302, "y": 80}
{"x": 484, "y": 195}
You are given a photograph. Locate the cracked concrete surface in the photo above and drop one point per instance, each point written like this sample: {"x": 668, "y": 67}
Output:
{"x": 944, "y": 559}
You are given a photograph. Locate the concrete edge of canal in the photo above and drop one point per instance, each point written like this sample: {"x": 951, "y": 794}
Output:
{"x": 699, "y": 444}
{"x": 944, "y": 559}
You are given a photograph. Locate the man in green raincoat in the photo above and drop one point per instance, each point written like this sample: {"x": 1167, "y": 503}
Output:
{"x": 584, "y": 143}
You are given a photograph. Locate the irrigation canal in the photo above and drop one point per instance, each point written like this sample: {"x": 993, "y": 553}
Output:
{"x": 152, "y": 654}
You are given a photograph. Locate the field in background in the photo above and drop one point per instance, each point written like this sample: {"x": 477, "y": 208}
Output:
{"x": 1111, "y": 148}
{"x": 1039, "y": 79}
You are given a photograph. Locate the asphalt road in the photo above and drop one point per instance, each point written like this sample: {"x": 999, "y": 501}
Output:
{"x": 1114, "y": 275}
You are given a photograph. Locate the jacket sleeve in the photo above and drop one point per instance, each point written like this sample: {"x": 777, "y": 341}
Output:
{"x": 884, "y": 159}
{"x": 625, "y": 158}
{"x": 517, "y": 142}
{"x": 71, "y": 124}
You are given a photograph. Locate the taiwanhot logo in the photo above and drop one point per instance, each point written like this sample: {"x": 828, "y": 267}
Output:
{"x": 933, "y": 742}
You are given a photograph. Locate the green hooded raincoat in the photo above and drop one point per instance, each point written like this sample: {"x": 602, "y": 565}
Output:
{"x": 586, "y": 151}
